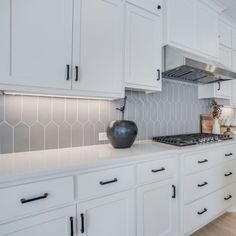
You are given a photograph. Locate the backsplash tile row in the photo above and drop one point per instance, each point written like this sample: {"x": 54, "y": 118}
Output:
{"x": 36, "y": 123}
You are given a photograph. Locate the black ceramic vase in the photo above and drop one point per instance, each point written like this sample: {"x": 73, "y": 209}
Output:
{"x": 122, "y": 133}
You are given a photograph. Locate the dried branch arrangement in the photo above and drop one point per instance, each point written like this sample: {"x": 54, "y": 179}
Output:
{"x": 216, "y": 109}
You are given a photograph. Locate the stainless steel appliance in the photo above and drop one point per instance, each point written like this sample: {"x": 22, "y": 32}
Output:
{"x": 190, "y": 139}
{"x": 183, "y": 66}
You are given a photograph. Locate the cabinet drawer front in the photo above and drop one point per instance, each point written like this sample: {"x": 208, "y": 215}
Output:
{"x": 154, "y": 6}
{"x": 156, "y": 170}
{"x": 104, "y": 182}
{"x": 201, "y": 161}
{"x": 200, "y": 212}
{"x": 203, "y": 183}
{"x": 24, "y": 199}
{"x": 228, "y": 197}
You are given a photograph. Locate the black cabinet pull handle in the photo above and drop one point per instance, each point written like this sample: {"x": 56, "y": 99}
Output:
{"x": 159, "y": 170}
{"x": 201, "y": 185}
{"x": 229, "y": 154}
{"x": 24, "y": 200}
{"x": 227, "y": 198}
{"x": 67, "y": 72}
{"x": 202, "y": 212}
{"x": 82, "y": 223}
{"x": 71, "y": 226}
{"x": 204, "y": 161}
{"x": 230, "y": 173}
{"x": 158, "y": 74}
{"x": 219, "y": 86}
{"x": 174, "y": 191}
{"x": 109, "y": 182}
{"x": 76, "y": 73}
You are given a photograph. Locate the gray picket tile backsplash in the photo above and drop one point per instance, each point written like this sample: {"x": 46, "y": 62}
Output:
{"x": 37, "y": 123}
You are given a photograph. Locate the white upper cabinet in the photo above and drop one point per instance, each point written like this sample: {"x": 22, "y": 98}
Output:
{"x": 223, "y": 89}
{"x": 35, "y": 43}
{"x": 226, "y": 57}
{"x": 225, "y": 34}
{"x": 207, "y": 30}
{"x": 234, "y": 38}
{"x": 65, "y": 47}
{"x": 98, "y": 47}
{"x": 151, "y": 5}
{"x": 234, "y": 61}
{"x": 192, "y": 25}
{"x": 79, "y": 47}
{"x": 233, "y": 99}
{"x": 143, "y": 47}
{"x": 181, "y": 23}
{"x": 216, "y": 90}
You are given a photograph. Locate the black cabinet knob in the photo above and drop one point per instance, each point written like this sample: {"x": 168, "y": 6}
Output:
{"x": 159, "y": 7}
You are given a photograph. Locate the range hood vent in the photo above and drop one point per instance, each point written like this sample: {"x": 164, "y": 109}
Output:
{"x": 184, "y": 67}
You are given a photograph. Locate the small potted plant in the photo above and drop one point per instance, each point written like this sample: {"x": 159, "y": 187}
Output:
{"x": 216, "y": 114}
{"x": 122, "y": 133}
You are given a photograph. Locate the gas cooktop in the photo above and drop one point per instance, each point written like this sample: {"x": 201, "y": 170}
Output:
{"x": 190, "y": 139}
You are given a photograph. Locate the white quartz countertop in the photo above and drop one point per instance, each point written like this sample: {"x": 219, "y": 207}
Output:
{"x": 25, "y": 165}
{"x": 16, "y": 166}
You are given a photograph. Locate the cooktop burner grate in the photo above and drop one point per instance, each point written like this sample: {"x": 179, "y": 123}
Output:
{"x": 190, "y": 139}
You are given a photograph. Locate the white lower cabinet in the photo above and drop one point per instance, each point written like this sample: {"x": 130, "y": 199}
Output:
{"x": 55, "y": 223}
{"x": 156, "y": 209}
{"x": 108, "y": 216}
{"x": 109, "y": 202}
{"x": 207, "y": 186}
{"x": 201, "y": 212}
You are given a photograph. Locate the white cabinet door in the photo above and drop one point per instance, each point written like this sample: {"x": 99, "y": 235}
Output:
{"x": 225, "y": 57}
{"x": 35, "y": 42}
{"x": 223, "y": 90}
{"x": 156, "y": 209}
{"x": 154, "y": 6}
{"x": 234, "y": 60}
{"x": 98, "y": 47}
{"x": 225, "y": 34}
{"x": 55, "y": 223}
{"x": 143, "y": 49}
{"x": 234, "y": 39}
{"x": 207, "y": 30}
{"x": 108, "y": 216}
{"x": 233, "y": 100}
{"x": 216, "y": 90}
{"x": 182, "y": 23}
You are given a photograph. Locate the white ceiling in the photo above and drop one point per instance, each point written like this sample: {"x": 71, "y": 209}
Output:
{"x": 231, "y": 8}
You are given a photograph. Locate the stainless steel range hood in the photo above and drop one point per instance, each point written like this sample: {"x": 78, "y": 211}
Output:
{"x": 186, "y": 67}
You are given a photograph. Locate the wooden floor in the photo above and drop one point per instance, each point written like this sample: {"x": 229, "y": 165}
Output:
{"x": 223, "y": 226}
